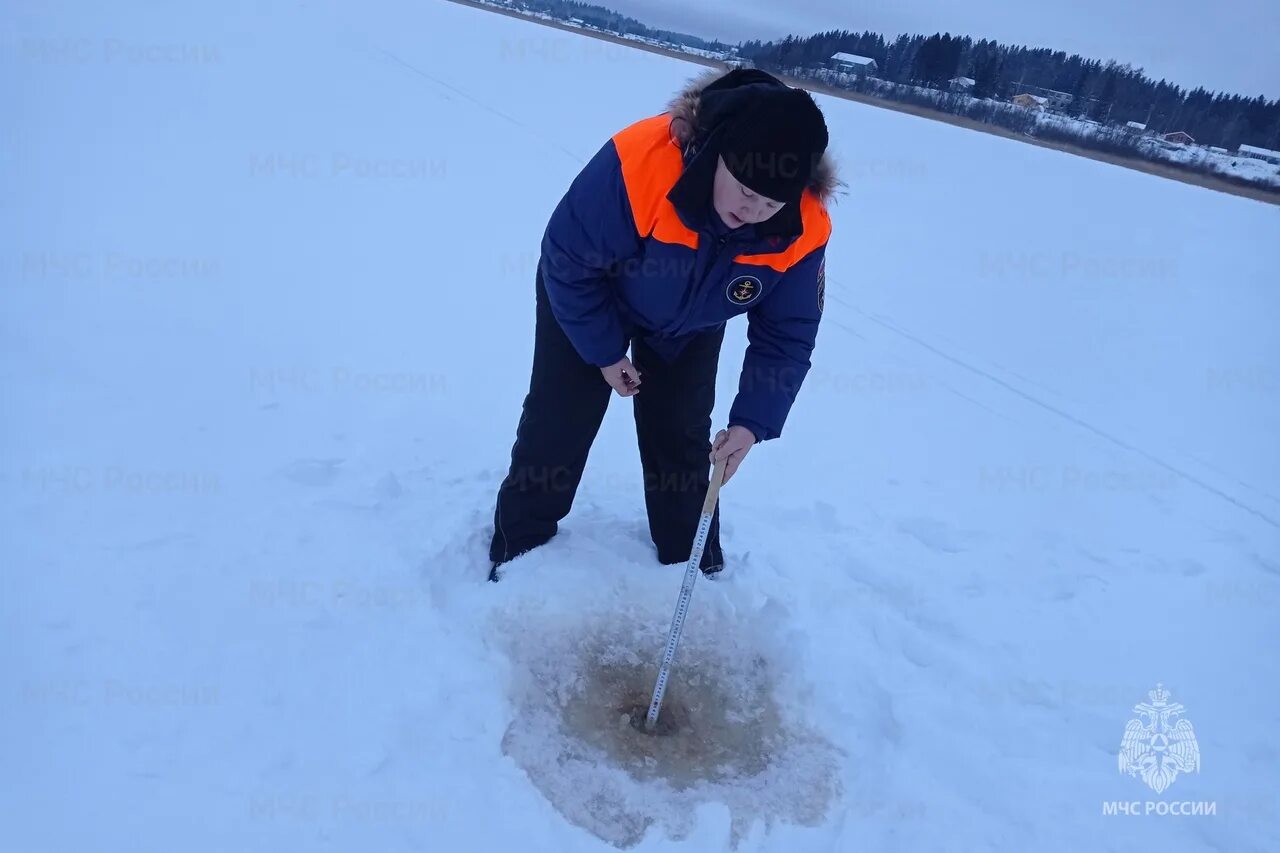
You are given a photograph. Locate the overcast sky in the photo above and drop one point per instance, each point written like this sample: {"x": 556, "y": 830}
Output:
{"x": 1233, "y": 47}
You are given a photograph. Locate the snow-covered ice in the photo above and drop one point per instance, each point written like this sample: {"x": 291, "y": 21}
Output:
{"x": 266, "y": 327}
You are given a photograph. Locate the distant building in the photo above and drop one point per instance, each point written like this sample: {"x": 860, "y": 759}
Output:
{"x": 1260, "y": 153}
{"x": 1179, "y": 137}
{"x": 1050, "y": 99}
{"x": 1135, "y": 126}
{"x": 850, "y": 63}
{"x": 961, "y": 84}
{"x": 1031, "y": 102}
{"x": 1057, "y": 100}
{"x": 577, "y": 21}
{"x": 1216, "y": 150}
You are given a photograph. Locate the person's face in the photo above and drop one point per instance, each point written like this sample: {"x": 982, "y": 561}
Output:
{"x": 737, "y": 205}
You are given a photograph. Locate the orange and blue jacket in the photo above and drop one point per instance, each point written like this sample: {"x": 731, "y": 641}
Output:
{"x": 635, "y": 248}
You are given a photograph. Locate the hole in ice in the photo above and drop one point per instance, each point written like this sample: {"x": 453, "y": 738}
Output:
{"x": 721, "y": 735}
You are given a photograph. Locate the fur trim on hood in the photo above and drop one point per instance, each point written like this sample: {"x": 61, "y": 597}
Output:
{"x": 684, "y": 127}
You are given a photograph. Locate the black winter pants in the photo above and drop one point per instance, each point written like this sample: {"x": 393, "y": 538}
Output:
{"x": 562, "y": 414}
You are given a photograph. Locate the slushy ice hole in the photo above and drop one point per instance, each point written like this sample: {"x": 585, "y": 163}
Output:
{"x": 714, "y": 724}
{"x": 723, "y": 738}
{"x": 637, "y": 716}
{"x": 673, "y": 716}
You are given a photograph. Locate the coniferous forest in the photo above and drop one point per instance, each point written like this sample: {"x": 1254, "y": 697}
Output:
{"x": 1085, "y": 103}
{"x": 1108, "y": 92}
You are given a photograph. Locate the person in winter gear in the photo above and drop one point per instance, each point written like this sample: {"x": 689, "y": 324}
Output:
{"x": 682, "y": 221}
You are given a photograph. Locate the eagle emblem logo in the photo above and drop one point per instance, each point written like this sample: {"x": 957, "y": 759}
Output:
{"x": 1156, "y": 747}
{"x": 743, "y": 289}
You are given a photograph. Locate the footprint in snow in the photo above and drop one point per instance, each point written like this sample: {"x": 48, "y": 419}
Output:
{"x": 312, "y": 472}
{"x": 936, "y": 534}
{"x": 388, "y": 487}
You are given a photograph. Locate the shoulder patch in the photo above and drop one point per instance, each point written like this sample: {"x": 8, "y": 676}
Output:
{"x": 743, "y": 290}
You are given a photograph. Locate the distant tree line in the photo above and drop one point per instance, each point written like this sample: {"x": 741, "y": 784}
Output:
{"x": 1044, "y": 125}
{"x": 614, "y": 22}
{"x": 1107, "y": 92}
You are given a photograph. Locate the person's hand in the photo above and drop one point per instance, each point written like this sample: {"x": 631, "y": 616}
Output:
{"x": 732, "y": 445}
{"x": 622, "y": 377}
